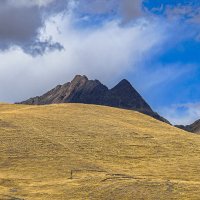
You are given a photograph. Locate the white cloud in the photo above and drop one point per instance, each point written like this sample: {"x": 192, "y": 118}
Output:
{"x": 182, "y": 114}
{"x": 106, "y": 53}
{"x": 22, "y": 20}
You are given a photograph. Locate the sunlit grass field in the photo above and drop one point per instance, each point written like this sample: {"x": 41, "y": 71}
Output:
{"x": 80, "y": 152}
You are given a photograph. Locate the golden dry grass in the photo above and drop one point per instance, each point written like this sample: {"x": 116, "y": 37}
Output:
{"x": 76, "y": 151}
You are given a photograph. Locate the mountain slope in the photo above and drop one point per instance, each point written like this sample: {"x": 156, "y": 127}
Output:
{"x": 77, "y": 151}
{"x": 194, "y": 128}
{"x": 82, "y": 90}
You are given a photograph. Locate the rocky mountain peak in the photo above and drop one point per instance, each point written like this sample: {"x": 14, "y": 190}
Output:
{"x": 83, "y": 90}
{"x": 124, "y": 83}
{"x": 79, "y": 79}
{"x": 124, "y": 87}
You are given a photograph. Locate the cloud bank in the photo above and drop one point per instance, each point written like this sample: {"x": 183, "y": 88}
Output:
{"x": 106, "y": 52}
{"x": 22, "y": 21}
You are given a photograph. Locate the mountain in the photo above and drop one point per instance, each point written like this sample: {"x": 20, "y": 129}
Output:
{"x": 83, "y": 90}
{"x": 78, "y": 151}
{"x": 194, "y": 128}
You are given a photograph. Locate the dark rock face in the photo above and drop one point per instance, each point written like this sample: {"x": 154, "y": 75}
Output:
{"x": 194, "y": 128}
{"x": 82, "y": 90}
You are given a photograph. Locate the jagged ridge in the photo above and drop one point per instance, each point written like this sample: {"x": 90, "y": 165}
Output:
{"x": 83, "y": 90}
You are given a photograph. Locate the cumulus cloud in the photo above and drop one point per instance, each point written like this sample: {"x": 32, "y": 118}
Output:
{"x": 21, "y": 23}
{"x": 20, "y": 26}
{"x": 23, "y": 27}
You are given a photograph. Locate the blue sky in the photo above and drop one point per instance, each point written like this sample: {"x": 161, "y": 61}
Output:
{"x": 183, "y": 91}
{"x": 153, "y": 44}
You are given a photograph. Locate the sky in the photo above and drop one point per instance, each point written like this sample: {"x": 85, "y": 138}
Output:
{"x": 153, "y": 44}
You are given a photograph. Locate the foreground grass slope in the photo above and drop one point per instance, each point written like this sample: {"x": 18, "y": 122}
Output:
{"x": 75, "y": 151}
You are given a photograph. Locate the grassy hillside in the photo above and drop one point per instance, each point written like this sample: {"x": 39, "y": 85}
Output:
{"x": 76, "y": 151}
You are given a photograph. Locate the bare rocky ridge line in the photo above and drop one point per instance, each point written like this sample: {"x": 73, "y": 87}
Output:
{"x": 83, "y": 90}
